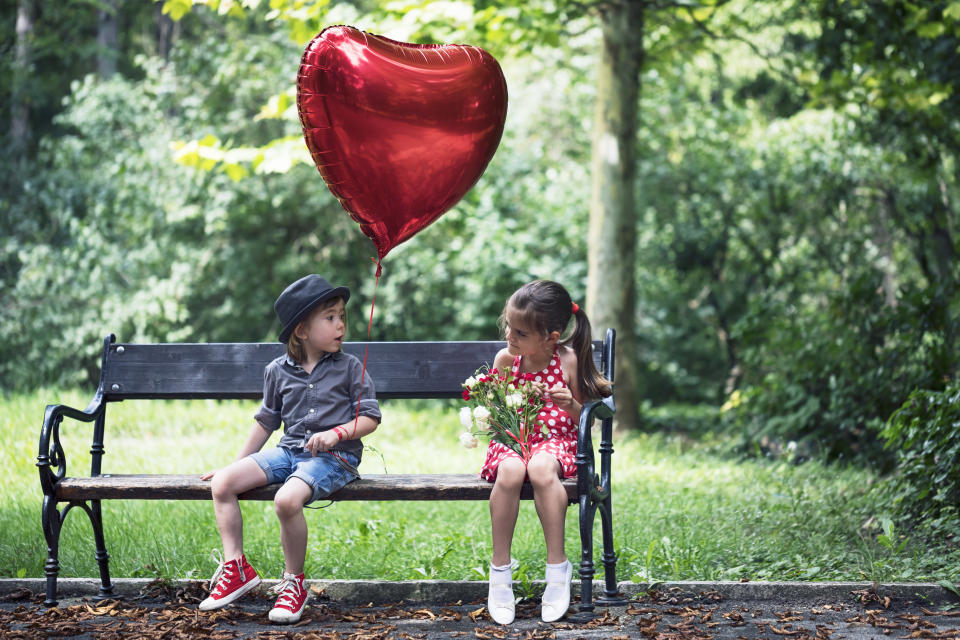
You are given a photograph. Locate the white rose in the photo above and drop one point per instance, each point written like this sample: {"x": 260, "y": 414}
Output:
{"x": 482, "y": 414}
{"x": 466, "y": 418}
{"x": 514, "y": 400}
{"x": 469, "y": 382}
{"x": 468, "y": 440}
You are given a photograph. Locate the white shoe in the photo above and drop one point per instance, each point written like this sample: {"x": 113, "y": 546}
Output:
{"x": 501, "y": 604}
{"x": 556, "y": 597}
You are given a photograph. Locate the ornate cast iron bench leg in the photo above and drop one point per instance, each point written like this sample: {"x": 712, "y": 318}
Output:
{"x": 587, "y": 515}
{"x": 103, "y": 558}
{"x": 51, "y": 531}
{"x": 611, "y": 595}
{"x": 52, "y": 524}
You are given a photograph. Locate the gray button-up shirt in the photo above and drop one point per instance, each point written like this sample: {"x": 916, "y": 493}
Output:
{"x": 308, "y": 403}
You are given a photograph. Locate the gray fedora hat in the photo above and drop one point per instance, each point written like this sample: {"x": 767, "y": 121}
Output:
{"x": 300, "y": 298}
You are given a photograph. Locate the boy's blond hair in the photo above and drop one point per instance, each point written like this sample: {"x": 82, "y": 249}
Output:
{"x": 295, "y": 348}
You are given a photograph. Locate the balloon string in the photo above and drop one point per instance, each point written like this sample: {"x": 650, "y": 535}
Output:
{"x": 366, "y": 349}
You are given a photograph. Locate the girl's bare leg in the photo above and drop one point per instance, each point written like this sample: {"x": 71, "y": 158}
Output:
{"x": 504, "y": 507}
{"x": 550, "y": 499}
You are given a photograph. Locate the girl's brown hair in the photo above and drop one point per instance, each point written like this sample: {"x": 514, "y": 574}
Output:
{"x": 548, "y": 307}
{"x": 295, "y": 348}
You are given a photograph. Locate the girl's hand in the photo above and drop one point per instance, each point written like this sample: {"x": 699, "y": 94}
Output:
{"x": 563, "y": 398}
{"x": 323, "y": 441}
{"x": 209, "y": 474}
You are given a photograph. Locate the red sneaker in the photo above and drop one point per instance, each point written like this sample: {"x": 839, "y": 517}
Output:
{"x": 291, "y": 601}
{"x": 232, "y": 579}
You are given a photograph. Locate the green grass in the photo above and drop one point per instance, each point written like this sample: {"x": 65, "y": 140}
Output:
{"x": 681, "y": 510}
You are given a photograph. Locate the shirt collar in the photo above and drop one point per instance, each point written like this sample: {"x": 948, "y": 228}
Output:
{"x": 287, "y": 360}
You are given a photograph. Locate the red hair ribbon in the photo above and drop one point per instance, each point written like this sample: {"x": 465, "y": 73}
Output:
{"x": 575, "y": 307}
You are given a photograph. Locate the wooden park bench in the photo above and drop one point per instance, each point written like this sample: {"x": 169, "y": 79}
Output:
{"x": 235, "y": 370}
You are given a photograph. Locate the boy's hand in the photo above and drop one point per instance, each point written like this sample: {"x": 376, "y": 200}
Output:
{"x": 209, "y": 474}
{"x": 320, "y": 442}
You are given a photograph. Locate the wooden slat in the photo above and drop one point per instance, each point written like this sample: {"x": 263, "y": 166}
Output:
{"x": 235, "y": 370}
{"x": 369, "y": 487}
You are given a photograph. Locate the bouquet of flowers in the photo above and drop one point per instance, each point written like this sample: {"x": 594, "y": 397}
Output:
{"x": 502, "y": 407}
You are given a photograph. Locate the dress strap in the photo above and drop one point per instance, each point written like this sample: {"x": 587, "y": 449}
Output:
{"x": 563, "y": 378}
{"x": 515, "y": 369}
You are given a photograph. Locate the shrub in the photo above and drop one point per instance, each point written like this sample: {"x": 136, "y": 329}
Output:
{"x": 925, "y": 433}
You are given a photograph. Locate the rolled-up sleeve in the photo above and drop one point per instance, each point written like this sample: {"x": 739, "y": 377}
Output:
{"x": 269, "y": 413}
{"x": 366, "y": 392}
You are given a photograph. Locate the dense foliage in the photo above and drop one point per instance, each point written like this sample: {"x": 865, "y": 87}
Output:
{"x": 925, "y": 433}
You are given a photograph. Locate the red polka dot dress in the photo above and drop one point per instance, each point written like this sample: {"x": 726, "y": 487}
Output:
{"x": 561, "y": 442}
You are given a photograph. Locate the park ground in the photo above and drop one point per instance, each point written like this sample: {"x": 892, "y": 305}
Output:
{"x": 676, "y": 611}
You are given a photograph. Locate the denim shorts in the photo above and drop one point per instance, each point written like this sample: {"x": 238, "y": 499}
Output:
{"x": 326, "y": 473}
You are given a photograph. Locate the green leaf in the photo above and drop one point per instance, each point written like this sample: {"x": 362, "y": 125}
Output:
{"x": 176, "y": 9}
{"x": 931, "y": 30}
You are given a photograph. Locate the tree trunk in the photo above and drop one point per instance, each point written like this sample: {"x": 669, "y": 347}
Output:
{"x": 20, "y": 131}
{"x": 167, "y": 31}
{"x": 611, "y": 287}
{"x": 107, "y": 39}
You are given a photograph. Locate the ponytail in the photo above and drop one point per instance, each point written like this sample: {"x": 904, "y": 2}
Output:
{"x": 591, "y": 380}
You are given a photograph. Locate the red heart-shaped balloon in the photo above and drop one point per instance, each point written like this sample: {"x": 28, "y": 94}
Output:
{"x": 400, "y": 132}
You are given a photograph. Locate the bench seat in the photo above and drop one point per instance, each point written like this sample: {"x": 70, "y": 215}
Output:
{"x": 377, "y": 486}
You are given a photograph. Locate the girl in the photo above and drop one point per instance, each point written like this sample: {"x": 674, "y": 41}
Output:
{"x": 534, "y": 320}
{"x": 314, "y": 390}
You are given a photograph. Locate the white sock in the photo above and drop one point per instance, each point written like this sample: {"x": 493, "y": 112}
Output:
{"x": 556, "y": 578}
{"x": 501, "y": 576}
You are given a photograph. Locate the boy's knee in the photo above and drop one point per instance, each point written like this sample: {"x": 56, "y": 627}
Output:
{"x": 290, "y": 499}
{"x": 221, "y": 488}
{"x": 286, "y": 505}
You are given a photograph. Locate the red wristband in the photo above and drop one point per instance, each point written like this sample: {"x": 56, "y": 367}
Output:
{"x": 340, "y": 431}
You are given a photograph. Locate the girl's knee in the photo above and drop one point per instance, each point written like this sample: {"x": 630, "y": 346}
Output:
{"x": 543, "y": 470}
{"x": 510, "y": 474}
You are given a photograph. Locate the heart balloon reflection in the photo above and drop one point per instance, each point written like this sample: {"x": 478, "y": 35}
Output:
{"x": 400, "y": 132}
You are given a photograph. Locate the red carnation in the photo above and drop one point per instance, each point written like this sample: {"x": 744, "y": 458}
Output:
{"x": 466, "y": 394}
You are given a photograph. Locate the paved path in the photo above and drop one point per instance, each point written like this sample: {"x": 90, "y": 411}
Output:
{"x": 680, "y": 611}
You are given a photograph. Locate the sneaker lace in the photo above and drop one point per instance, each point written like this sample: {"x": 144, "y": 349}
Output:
{"x": 290, "y": 591}
{"x": 223, "y": 574}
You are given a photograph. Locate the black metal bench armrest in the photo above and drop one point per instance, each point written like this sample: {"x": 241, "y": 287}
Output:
{"x": 51, "y": 455}
{"x": 587, "y": 481}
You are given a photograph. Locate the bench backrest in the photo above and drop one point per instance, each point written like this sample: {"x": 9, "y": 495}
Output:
{"x": 235, "y": 370}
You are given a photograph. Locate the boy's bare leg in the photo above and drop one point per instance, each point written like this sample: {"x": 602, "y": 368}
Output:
{"x": 228, "y": 483}
{"x": 288, "y": 504}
